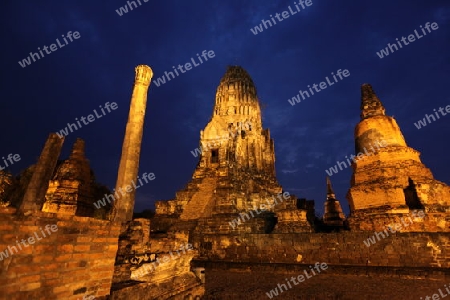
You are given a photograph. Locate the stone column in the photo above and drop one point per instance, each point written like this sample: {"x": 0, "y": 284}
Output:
{"x": 131, "y": 149}
{"x": 34, "y": 197}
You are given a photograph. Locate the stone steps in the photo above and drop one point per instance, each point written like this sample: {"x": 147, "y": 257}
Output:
{"x": 201, "y": 203}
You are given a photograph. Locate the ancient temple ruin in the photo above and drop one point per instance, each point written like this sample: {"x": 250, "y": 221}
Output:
{"x": 233, "y": 213}
{"x": 57, "y": 186}
{"x": 235, "y": 176}
{"x": 93, "y": 252}
{"x": 72, "y": 189}
{"x": 391, "y": 181}
{"x": 333, "y": 216}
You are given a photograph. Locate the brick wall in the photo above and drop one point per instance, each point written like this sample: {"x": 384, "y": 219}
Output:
{"x": 377, "y": 219}
{"x": 75, "y": 260}
{"x": 345, "y": 248}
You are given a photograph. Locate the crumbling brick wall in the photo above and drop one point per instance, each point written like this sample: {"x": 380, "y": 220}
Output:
{"x": 75, "y": 260}
{"x": 344, "y": 248}
{"x": 152, "y": 268}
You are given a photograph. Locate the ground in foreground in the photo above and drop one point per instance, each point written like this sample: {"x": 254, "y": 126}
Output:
{"x": 224, "y": 284}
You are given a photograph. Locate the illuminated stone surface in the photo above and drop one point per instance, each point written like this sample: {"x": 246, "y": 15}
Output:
{"x": 6, "y": 186}
{"x": 70, "y": 190}
{"x": 106, "y": 259}
{"x": 131, "y": 149}
{"x": 333, "y": 215}
{"x": 236, "y": 169}
{"x": 85, "y": 258}
{"x": 392, "y": 181}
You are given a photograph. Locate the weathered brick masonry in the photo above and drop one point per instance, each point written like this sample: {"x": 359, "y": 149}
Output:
{"x": 388, "y": 186}
{"x": 233, "y": 212}
{"x": 91, "y": 251}
{"x": 422, "y": 250}
{"x": 76, "y": 260}
{"x": 138, "y": 274}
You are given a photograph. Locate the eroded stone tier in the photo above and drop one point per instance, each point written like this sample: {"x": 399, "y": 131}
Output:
{"x": 389, "y": 177}
{"x": 236, "y": 169}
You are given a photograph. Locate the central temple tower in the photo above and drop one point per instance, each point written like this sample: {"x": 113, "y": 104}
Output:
{"x": 235, "y": 175}
{"x": 234, "y": 137}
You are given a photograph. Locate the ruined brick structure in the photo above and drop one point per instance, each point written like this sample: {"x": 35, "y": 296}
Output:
{"x": 391, "y": 182}
{"x": 115, "y": 257}
{"x": 154, "y": 266}
{"x": 236, "y": 170}
{"x": 387, "y": 188}
{"x": 77, "y": 259}
{"x": 7, "y": 181}
{"x": 207, "y": 206}
{"x": 85, "y": 256}
{"x": 70, "y": 189}
{"x": 333, "y": 215}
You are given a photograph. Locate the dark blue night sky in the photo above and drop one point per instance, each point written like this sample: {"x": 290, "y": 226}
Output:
{"x": 301, "y": 50}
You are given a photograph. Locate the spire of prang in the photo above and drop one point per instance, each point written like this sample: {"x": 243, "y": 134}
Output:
{"x": 370, "y": 103}
{"x": 330, "y": 192}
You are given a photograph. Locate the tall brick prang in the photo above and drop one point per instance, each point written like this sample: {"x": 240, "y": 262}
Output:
{"x": 236, "y": 169}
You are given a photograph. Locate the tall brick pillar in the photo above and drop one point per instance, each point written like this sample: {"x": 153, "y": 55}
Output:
{"x": 131, "y": 149}
{"x": 35, "y": 193}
